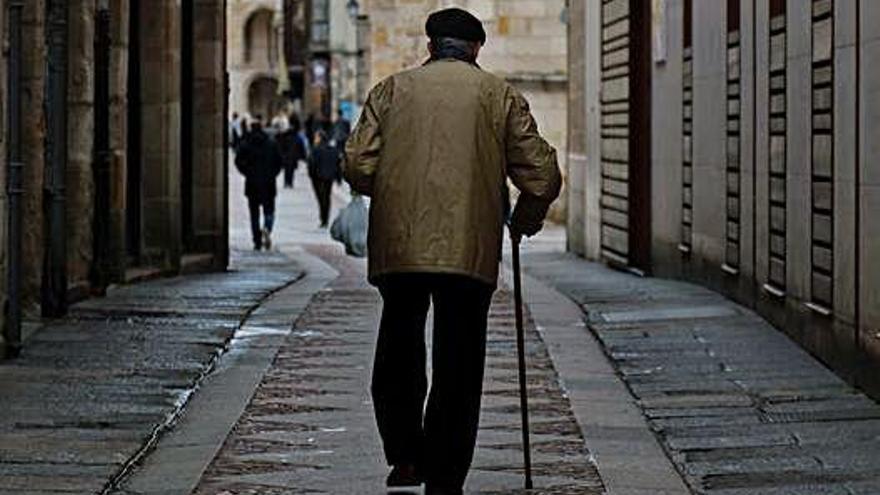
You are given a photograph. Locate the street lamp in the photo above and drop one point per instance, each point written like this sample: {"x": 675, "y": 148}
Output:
{"x": 353, "y": 9}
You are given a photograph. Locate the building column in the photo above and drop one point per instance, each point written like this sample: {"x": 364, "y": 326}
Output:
{"x": 592, "y": 160}
{"x": 80, "y": 135}
{"x": 4, "y": 164}
{"x": 33, "y": 131}
{"x": 209, "y": 124}
{"x": 115, "y": 263}
{"x": 868, "y": 182}
{"x": 577, "y": 129}
{"x": 160, "y": 132}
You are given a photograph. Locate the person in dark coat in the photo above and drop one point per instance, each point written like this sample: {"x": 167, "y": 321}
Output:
{"x": 341, "y": 130}
{"x": 324, "y": 169}
{"x": 259, "y": 160}
{"x": 235, "y": 131}
{"x": 292, "y": 150}
{"x": 310, "y": 127}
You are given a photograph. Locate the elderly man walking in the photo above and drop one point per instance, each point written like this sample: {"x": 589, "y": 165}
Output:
{"x": 434, "y": 148}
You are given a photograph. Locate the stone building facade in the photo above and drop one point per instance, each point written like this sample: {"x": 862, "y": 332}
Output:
{"x": 116, "y": 110}
{"x": 732, "y": 143}
{"x": 255, "y": 32}
{"x": 526, "y": 45}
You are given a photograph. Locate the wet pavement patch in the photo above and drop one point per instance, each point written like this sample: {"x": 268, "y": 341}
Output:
{"x": 92, "y": 389}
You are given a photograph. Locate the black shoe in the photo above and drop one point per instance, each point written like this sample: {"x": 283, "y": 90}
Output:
{"x": 257, "y": 247}
{"x": 267, "y": 239}
{"x": 404, "y": 478}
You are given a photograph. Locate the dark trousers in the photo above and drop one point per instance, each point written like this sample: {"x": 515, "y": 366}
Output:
{"x": 289, "y": 170}
{"x": 268, "y": 207}
{"x": 440, "y": 439}
{"x": 323, "y": 188}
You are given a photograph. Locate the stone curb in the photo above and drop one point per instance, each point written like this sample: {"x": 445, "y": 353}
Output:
{"x": 176, "y": 464}
{"x": 627, "y": 454}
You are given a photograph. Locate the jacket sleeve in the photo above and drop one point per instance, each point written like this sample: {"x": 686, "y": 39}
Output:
{"x": 364, "y": 146}
{"x": 531, "y": 166}
{"x": 242, "y": 160}
{"x": 277, "y": 161}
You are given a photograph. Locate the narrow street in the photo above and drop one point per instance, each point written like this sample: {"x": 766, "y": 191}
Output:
{"x": 618, "y": 410}
{"x": 256, "y": 381}
{"x": 702, "y": 307}
{"x": 308, "y": 427}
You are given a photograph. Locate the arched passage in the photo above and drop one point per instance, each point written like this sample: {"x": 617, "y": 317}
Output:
{"x": 263, "y": 98}
{"x": 260, "y": 46}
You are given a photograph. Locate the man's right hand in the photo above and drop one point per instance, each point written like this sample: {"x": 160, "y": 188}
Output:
{"x": 526, "y": 221}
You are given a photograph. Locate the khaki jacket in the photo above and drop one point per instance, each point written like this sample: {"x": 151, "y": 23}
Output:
{"x": 434, "y": 147}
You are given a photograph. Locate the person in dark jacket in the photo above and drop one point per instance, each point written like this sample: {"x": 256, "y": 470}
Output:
{"x": 324, "y": 169}
{"x": 235, "y": 131}
{"x": 341, "y": 130}
{"x": 292, "y": 150}
{"x": 259, "y": 160}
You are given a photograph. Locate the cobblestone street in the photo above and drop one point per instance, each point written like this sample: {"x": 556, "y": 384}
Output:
{"x": 91, "y": 392}
{"x": 256, "y": 381}
{"x": 739, "y": 407}
{"x": 309, "y": 428}
{"x": 700, "y": 292}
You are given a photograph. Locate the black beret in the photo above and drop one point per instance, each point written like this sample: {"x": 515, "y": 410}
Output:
{"x": 455, "y": 23}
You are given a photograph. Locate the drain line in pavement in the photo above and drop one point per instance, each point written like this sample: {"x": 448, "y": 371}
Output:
{"x": 173, "y": 417}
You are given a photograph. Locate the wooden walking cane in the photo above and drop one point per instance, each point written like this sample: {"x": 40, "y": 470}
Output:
{"x": 521, "y": 357}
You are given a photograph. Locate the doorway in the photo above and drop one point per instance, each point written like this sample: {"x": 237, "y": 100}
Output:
{"x": 133, "y": 197}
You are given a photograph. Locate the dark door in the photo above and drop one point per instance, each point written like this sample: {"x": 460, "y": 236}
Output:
{"x": 186, "y": 125}
{"x": 133, "y": 152}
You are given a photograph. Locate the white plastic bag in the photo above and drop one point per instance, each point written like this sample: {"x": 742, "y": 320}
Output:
{"x": 350, "y": 227}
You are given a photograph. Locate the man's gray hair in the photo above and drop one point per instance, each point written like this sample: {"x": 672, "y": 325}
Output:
{"x": 443, "y": 44}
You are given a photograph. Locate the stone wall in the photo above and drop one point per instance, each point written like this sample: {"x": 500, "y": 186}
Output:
{"x": 4, "y": 57}
{"x": 526, "y": 45}
{"x": 763, "y": 170}
{"x": 158, "y": 159}
{"x": 241, "y": 72}
{"x": 80, "y": 135}
{"x": 160, "y": 132}
{"x": 209, "y": 94}
{"x": 33, "y": 148}
{"x": 119, "y": 57}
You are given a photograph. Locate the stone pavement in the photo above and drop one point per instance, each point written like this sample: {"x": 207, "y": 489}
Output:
{"x": 306, "y": 424}
{"x": 309, "y": 427}
{"x": 739, "y": 407}
{"x": 91, "y": 392}
{"x": 638, "y": 386}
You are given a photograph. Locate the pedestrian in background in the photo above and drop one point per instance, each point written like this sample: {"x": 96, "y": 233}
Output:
{"x": 235, "y": 131}
{"x": 340, "y": 131}
{"x": 434, "y": 147}
{"x": 259, "y": 160}
{"x": 310, "y": 127}
{"x": 304, "y": 141}
{"x": 324, "y": 169}
{"x": 292, "y": 150}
